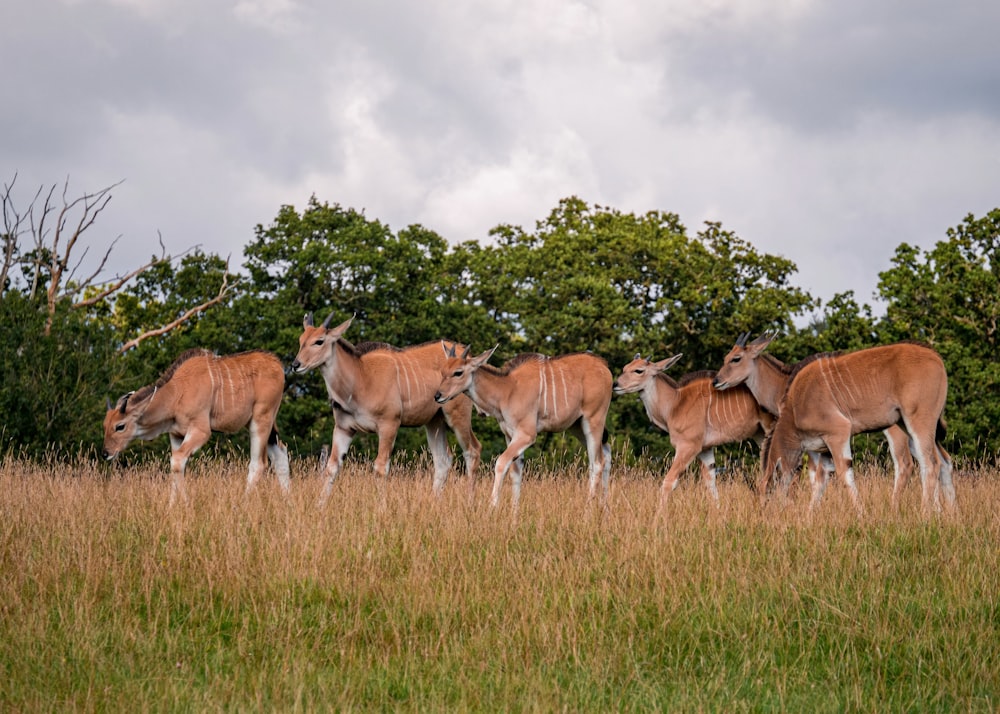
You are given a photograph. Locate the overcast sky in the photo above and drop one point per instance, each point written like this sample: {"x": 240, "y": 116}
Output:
{"x": 826, "y": 132}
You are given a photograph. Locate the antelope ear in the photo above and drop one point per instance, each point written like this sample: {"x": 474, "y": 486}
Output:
{"x": 340, "y": 329}
{"x": 307, "y": 321}
{"x": 759, "y": 344}
{"x": 668, "y": 362}
{"x": 123, "y": 401}
{"x": 480, "y": 360}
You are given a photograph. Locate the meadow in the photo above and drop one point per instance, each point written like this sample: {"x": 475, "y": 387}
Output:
{"x": 391, "y": 599}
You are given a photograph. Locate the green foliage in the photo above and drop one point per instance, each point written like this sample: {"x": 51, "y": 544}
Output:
{"x": 161, "y": 295}
{"x": 403, "y": 289}
{"x": 53, "y": 392}
{"x": 949, "y": 296}
{"x": 586, "y": 278}
{"x": 843, "y": 326}
{"x": 617, "y": 284}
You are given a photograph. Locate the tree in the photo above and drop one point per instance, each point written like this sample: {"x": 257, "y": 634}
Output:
{"x": 157, "y": 308}
{"x": 53, "y": 392}
{"x": 842, "y": 326}
{"x": 949, "y": 297}
{"x": 60, "y": 326}
{"x": 56, "y": 228}
{"x": 403, "y": 289}
{"x": 593, "y": 278}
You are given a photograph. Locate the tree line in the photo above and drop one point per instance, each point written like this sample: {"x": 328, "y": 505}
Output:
{"x": 586, "y": 278}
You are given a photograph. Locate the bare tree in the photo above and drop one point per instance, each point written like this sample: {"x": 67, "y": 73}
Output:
{"x": 223, "y": 289}
{"x": 55, "y": 224}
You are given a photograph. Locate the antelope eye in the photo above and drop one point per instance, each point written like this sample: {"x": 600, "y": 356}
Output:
{"x": 457, "y": 373}
{"x": 736, "y": 359}
{"x": 120, "y": 427}
{"x": 318, "y": 342}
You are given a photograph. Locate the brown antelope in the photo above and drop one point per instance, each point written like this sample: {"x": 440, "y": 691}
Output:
{"x": 695, "y": 416}
{"x": 201, "y": 393}
{"x": 767, "y": 378}
{"x": 533, "y": 393}
{"x": 375, "y": 388}
{"x": 832, "y": 396}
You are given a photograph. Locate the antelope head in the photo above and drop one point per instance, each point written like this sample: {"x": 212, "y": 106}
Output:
{"x": 458, "y": 371}
{"x": 316, "y": 343}
{"x": 121, "y": 423}
{"x": 639, "y": 373}
{"x": 741, "y": 362}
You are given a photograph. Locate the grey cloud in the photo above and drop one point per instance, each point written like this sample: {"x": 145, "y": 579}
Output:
{"x": 839, "y": 62}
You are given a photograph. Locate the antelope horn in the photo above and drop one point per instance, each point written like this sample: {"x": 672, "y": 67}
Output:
{"x": 326, "y": 322}
{"x": 741, "y": 341}
{"x": 108, "y": 400}
{"x": 449, "y": 351}
{"x": 468, "y": 348}
{"x": 637, "y": 356}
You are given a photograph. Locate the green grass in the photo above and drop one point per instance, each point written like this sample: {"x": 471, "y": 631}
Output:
{"x": 389, "y": 599}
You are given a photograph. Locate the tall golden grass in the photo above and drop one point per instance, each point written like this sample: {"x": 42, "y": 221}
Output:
{"x": 389, "y": 598}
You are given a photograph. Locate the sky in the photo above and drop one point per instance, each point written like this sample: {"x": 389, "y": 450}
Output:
{"x": 827, "y": 132}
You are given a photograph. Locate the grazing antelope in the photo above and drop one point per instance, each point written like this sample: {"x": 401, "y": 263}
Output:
{"x": 767, "y": 378}
{"x": 533, "y": 393}
{"x": 377, "y": 388}
{"x": 832, "y": 396}
{"x": 201, "y": 393}
{"x": 695, "y": 416}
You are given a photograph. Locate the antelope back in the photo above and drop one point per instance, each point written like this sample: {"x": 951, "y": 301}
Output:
{"x": 222, "y": 392}
{"x": 729, "y": 415}
{"x": 415, "y": 371}
{"x": 873, "y": 385}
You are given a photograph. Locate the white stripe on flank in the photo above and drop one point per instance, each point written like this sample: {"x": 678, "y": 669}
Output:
{"x": 211, "y": 379}
{"x": 403, "y": 371}
{"x": 849, "y": 396}
{"x": 565, "y": 387}
{"x": 226, "y": 390}
{"x": 542, "y": 391}
{"x": 823, "y": 373}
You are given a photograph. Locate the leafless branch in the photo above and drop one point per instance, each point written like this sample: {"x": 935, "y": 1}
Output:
{"x": 57, "y": 223}
{"x": 223, "y": 290}
{"x": 117, "y": 284}
{"x": 93, "y": 204}
{"x": 12, "y": 229}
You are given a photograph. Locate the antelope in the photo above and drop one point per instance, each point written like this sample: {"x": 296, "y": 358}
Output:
{"x": 696, "y": 417}
{"x": 533, "y": 393}
{"x": 832, "y": 396}
{"x": 376, "y": 388}
{"x": 767, "y": 378}
{"x": 200, "y": 393}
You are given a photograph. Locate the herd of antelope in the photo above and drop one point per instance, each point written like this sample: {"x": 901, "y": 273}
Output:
{"x": 812, "y": 408}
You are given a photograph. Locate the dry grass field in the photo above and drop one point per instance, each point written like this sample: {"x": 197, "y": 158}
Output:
{"x": 390, "y": 599}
